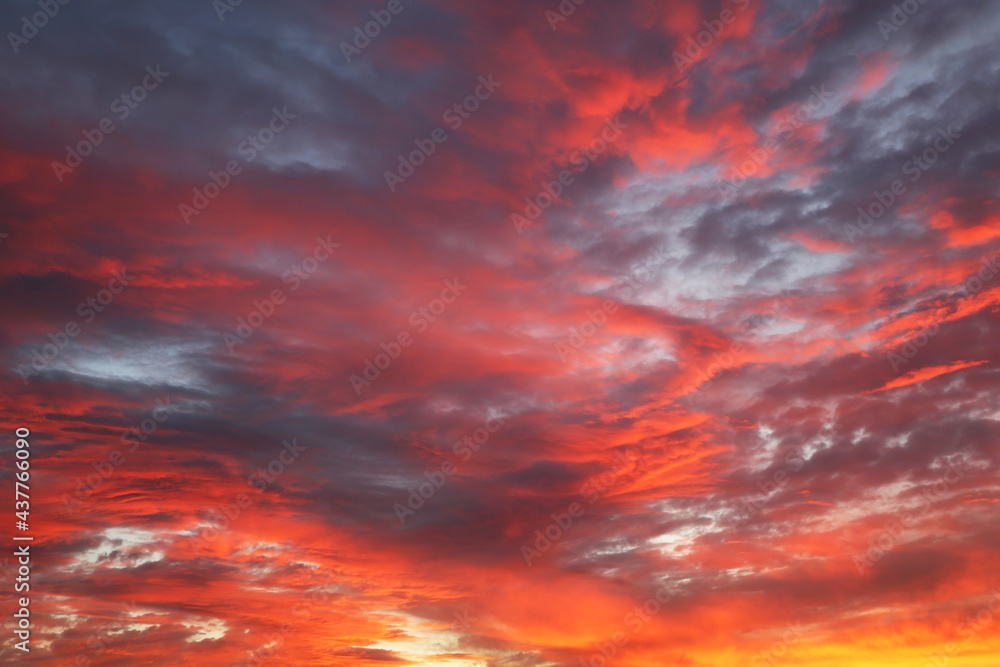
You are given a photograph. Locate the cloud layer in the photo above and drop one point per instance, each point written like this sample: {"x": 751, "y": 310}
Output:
{"x": 505, "y": 333}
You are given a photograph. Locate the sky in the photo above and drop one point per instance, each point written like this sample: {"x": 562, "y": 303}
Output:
{"x": 520, "y": 334}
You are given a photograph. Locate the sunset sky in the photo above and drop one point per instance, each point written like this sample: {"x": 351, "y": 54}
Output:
{"x": 638, "y": 333}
